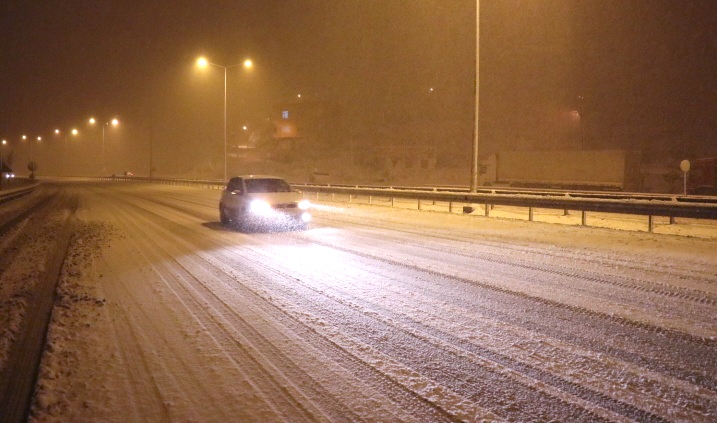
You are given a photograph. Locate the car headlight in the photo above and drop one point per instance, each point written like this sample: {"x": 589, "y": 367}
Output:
{"x": 260, "y": 207}
{"x": 304, "y": 204}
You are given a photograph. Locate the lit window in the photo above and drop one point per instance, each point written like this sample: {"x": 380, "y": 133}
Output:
{"x": 285, "y": 114}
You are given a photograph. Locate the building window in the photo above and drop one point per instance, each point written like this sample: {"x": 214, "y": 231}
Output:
{"x": 285, "y": 114}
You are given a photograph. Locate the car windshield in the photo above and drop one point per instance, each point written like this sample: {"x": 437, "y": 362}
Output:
{"x": 266, "y": 185}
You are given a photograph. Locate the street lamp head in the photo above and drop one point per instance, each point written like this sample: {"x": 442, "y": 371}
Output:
{"x": 39, "y": 138}
{"x": 24, "y": 137}
{"x": 202, "y": 62}
{"x": 248, "y": 64}
{"x": 115, "y": 122}
{"x": 4, "y": 142}
{"x": 92, "y": 121}
{"x": 75, "y": 132}
{"x": 57, "y": 131}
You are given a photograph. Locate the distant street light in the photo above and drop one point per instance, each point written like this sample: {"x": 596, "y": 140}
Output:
{"x": 32, "y": 154}
{"x": 73, "y": 132}
{"x": 32, "y": 159}
{"x": 113, "y": 122}
{"x": 203, "y": 63}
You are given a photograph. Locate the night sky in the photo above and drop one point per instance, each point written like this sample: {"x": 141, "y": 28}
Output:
{"x": 555, "y": 74}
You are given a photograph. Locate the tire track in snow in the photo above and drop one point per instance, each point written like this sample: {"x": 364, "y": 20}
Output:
{"x": 467, "y": 248}
{"x": 303, "y": 331}
{"x": 494, "y": 367}
{"x": 700, "y": 347}
{"x": 418, "y": 269}
{"x": 179, "y": 283}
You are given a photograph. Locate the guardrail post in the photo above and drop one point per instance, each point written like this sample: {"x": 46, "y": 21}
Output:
{"x": 566, "y": 212}
{"x": 350, "y": 198}
{"x": 419, "y": 204}
{"x": 392, "y": 201}
{"x": 672, "y": 220}
{"x": 650, "y": 223}
{"x": 487, "y": 209}
{"x": 584, "y": 218}
{"x": 369, "y": 199}
{"x": 530, "y": 214}
{"x": 450, "y": 207}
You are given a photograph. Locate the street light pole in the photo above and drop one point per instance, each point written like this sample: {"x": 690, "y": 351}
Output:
{"x": 225, "y": 124}
{"x": 67, "y": 137}
{"x": 104, "y": 163}
{"x": 32, "y": 158}
{"x": 202, "y": 62}
{"x": 474, "y": 172}
{"x": 2, "y": 147}
{"x": 114, "y": 122}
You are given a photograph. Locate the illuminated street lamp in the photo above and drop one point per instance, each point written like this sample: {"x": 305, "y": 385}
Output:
{"x": 73, "y": 132}
{"x": 2, "y": 147}
{"x": 113, "y": 122}
{"x": 203, "y": 63}
{"x": 32, "y": 154}
{"x": 32, "y": 159}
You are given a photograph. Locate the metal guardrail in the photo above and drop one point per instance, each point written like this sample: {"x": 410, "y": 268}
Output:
{"x": 650, "y": 205}
{"x": 10, "y": 194}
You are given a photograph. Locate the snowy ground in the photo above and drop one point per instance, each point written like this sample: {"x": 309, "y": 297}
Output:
{"x": 376, "y": 314}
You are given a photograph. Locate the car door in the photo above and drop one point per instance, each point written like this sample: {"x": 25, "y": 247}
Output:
{"x": 233, "y": 195}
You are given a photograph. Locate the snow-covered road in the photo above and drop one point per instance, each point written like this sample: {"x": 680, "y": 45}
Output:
{"x": 373, "y": 314}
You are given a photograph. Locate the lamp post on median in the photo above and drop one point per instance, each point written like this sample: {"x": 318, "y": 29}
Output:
{"x": 73, "y": 132}
{"x": 32, "y": 165}
{"x": 113, "y": 122}
{"x": 203, "y": 63}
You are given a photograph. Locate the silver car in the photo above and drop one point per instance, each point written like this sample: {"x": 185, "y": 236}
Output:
{"x": 262, "y": 200}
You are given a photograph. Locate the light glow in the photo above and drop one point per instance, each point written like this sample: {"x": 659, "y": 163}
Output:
{"x": 304, "y": 204}
{"x": 260, "y": 207}
{"x": 92, "y": 121}
{"x": 202, "y": 62}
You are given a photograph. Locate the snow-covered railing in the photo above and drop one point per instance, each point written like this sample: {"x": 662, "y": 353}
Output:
{"x": 9, "y": 194}
{"x": 650, "y": 205}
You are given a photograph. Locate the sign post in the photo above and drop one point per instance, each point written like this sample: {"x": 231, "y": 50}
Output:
{"x": 684, "y": 167}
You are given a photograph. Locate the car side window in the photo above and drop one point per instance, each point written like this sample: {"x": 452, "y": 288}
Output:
{"x": 235, "y": 185}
